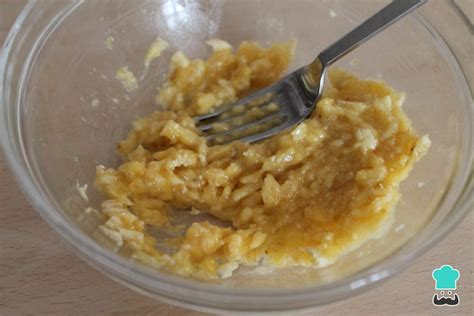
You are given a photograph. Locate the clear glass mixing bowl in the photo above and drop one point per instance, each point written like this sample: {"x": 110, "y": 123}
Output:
{"x": 62, "y": 111}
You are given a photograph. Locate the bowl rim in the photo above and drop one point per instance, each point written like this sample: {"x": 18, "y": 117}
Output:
{"x": 126, "y": 271}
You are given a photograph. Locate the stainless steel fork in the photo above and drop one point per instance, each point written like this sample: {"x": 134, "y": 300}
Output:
{"x": 292, "y": 99}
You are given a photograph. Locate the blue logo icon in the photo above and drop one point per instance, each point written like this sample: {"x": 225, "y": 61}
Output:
{"x": 446, "y": 278}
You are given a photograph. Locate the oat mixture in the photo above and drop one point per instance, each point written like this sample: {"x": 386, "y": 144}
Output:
{"x": 301, "y": 198}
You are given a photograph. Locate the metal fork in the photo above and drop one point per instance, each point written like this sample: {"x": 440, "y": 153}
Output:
{"x": 292, "y": 99}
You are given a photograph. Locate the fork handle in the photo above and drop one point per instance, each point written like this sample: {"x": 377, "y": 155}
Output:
{"x": 375, "y": 24}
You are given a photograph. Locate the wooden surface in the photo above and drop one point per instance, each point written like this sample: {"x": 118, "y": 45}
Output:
{"x": 39, "y": 275}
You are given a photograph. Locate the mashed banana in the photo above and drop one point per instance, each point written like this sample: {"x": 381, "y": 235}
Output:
{"x": 301, "y": 198}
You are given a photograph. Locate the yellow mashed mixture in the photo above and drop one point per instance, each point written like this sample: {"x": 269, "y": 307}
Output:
{"x": 301, "y": 198}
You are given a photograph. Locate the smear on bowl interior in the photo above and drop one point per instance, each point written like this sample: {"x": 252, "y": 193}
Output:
{"x": 301, "y": 198}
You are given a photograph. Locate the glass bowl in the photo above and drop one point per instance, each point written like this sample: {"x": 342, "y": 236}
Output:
{"x": 62, "y": 112}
